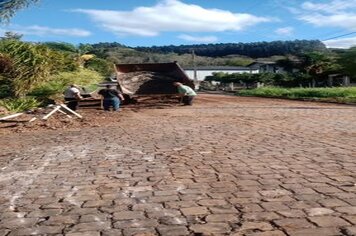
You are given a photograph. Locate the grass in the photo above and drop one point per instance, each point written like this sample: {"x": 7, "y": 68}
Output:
{"x": 19, "y": 104}
{"x": 344, "y": 94}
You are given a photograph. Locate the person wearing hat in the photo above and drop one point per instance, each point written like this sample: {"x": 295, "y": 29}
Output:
{"x": 72, "y": 97}
{"x": 186, "y": 92}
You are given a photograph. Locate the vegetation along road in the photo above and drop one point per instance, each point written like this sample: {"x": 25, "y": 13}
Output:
{"x": 226, "y": 166}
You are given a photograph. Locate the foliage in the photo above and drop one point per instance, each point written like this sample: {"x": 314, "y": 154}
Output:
{"x": 100, "y": 65}
{"x": 338, "y": 94}
{"x": 61, "y": 46}
{"x": 31, "y": 64}
{"x": 59, "y": 82}
{"x": 254, "y": 50}
{"x": 11, "y": 36}
{"x": 8, "y": 8}
{"x": 347, "y": 59}
{"x": 20, "y": 104}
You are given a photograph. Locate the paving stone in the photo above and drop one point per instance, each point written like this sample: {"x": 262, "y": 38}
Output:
{"x": 167, "y": 220}
{"x": 261, "y": 226}
{"x": 139, "y": 232}
{"x": 93, "y": 226}
{"x": 173, "y": 230}
{"x": 267, "y": 233}
{"x": 194, "y": 211}
{"x": 88, "y": 233}
{"x": 233, "y": 218}
{"x": 146, "y": 223}
{"x": 351, "y": 230}
{"x": 329, "y": 221}
{"x": 282, "y": 167}
{"x": 40, "y": 230}
{"x": 128, "y": 215}
{"x": 319, "y": 211}
{"x": 348, "y": 210}
{"x": 211, "y": 228}
{"x": 293, "y": 223}
{"x": 316, "y": 231}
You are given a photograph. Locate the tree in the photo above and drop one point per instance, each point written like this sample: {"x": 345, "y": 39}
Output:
{"x": 319, "y": 65}
{"x": 31, "y": 64}
{"x": 8, "y": 8}
{"x": 347, "y": 60}
{"x": 11, "y": 36}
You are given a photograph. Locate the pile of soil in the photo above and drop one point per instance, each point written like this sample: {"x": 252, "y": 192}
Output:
{"x": 145, "y": 82}
{"x": 91, "y": 117}
{"x": 58, "y": 121}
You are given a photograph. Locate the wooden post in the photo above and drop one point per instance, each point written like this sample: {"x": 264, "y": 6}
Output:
{"x": 71, "y": 111}
{"x": 11, "y": 116}
{"x": 51, "y": 113}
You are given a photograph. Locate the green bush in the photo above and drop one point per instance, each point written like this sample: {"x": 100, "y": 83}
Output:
{"x": 20, "y": 104}
{"x": 58, "y": 83}
{"x": 102, "y": 66}
{"x": 337, "y": 94}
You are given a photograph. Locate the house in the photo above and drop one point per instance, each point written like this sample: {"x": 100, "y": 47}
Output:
{"x": 203, "y": 71}
{"x": 266, "y": 66}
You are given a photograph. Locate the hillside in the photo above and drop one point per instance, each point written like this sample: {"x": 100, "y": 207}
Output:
{"x": 253, "y": 50}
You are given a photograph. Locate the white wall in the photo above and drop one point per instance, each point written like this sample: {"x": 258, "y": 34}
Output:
{"x": 201, "y": 74}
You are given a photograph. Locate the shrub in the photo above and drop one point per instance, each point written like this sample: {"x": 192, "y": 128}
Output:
{"x": 338, "y": 94}
{"x": 20, "y": 104}
{"x": 31, "y": 64}
{"x": 58, "y": 83}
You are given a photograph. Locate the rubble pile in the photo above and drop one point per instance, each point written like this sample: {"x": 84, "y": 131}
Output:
{"x": 147, "y": 83}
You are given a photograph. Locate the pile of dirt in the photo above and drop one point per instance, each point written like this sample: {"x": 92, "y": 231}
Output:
{"x": 59, "y": 121}
{"x": 145, "y": 82}
{"x": 91, "y": 117}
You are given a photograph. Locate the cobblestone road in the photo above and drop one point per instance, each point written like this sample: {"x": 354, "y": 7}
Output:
{"x": 226, "y": 166}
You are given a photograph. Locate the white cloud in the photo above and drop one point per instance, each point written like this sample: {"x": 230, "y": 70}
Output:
{"x": 171, "y": 16}
{"x": 341, "y": 43}
{"x": 335, "y": 13}
{"x": 198, "y": 39}
{"x": 47, "y": 31}
{"x": 342, "y": 20}
{"x": 286, "y": 31}
{"x": 333, "y": 6}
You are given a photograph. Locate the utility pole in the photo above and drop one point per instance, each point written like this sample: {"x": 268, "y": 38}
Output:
{"x": 194, "y": 67}
{"x": 196, "y": 82}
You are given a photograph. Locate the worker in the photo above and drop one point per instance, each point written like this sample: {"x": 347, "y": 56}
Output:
{"x": 186, "y": 92}
{"x": 112, "y": 98}
{"x": 72, "y": 96}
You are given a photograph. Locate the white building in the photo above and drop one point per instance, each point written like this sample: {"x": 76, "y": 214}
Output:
{"x": 203, "y": 72}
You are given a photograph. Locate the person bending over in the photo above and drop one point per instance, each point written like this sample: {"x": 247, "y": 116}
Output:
{"x": 112, "y": 98}
{"x": 72, "y": 96}
{"x": 186, "y": 92}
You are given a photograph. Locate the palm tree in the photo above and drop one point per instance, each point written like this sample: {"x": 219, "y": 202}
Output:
{"x": 8, "y": 8}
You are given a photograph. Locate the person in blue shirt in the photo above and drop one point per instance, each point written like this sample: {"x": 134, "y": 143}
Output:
{"x": 186, "y": 92}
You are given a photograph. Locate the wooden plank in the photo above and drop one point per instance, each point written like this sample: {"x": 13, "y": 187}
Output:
{"x": 11, "y": 116}
{"x": 32, "y": 120}
{"x": 64, "y": 113}
{"x": 71, "y": 111}
{"x": 51, "y": 113}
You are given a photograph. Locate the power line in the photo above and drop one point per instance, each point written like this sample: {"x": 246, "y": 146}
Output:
{"x": 340, "y": 36}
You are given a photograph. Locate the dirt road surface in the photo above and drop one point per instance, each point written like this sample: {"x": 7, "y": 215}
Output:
{"x": 225, "y": 166}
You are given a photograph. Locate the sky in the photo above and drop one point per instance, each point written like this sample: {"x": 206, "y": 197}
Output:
{"x": 176, "y": 22}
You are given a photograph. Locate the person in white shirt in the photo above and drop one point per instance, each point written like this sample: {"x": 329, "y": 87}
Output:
{"x": 72, "y": 96}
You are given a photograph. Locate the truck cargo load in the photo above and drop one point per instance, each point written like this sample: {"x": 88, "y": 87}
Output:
{"x": 150, "y": 79}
